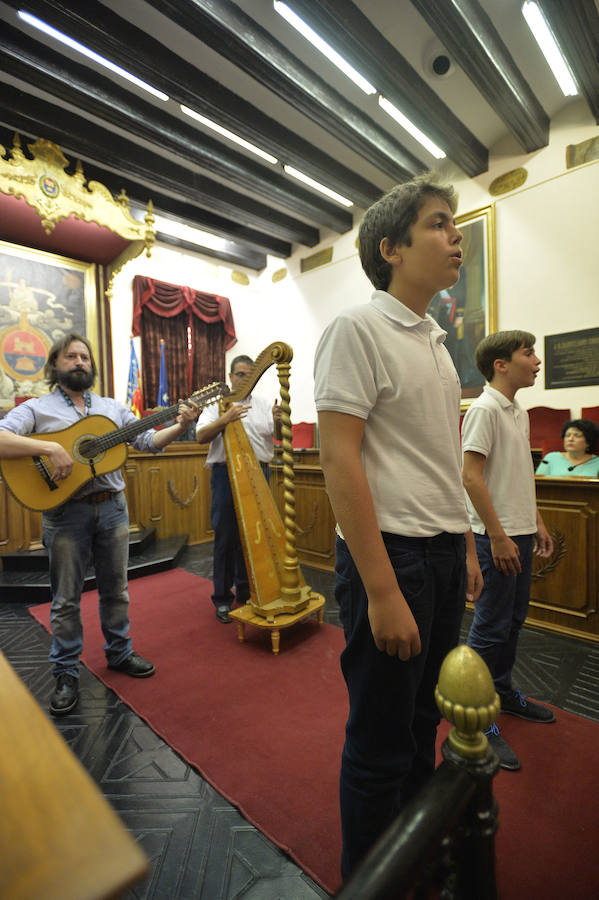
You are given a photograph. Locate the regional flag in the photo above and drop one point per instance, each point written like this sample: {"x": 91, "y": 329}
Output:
{"x": 162, "y": 386}
{"x": 134, "y": 397}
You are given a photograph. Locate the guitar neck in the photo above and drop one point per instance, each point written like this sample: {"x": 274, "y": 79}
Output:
{"x": 129, "y": 432}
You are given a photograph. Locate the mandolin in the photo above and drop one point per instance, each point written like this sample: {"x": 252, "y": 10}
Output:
{"x": 97, "y": 447}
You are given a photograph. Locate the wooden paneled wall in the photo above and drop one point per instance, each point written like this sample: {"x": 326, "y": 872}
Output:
{"x": 171, "y": 493}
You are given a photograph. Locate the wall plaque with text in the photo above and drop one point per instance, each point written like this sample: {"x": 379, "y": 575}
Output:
{"x": 572, "y": 359}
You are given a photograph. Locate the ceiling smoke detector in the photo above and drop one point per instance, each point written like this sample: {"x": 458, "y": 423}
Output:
{"x": 437, "y": 62}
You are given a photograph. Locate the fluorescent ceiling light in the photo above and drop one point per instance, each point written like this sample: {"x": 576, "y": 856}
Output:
{"x": 190, "y": 234}
{"x": 229, "y": 134}
{"x": 551, "y": 52}
{"x": 322, "y": 45}
{"x": 411, "y": 128}
{"x": 317, "y": 186}
{"x": 81, "y": 48}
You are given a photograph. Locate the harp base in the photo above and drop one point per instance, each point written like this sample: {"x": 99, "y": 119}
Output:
{"x": 246, "y": 615}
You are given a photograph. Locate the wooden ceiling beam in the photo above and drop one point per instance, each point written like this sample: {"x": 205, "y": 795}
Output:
{"x": 93, "y": 94}
{"x": 576, "y": 27}
{"x": 468, "y": 34}
{"x": 128, "y": 161}
{"x": 345, "y": 27}
{"x": 229, "y": 31}
{"x": 113, "y": 37}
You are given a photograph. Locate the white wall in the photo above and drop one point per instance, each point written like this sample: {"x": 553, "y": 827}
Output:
{"x": 547, "y": 246}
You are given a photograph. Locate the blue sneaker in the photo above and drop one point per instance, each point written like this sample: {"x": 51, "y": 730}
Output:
{"x": 517, "y": 705}
{"x": 507, "y": 758}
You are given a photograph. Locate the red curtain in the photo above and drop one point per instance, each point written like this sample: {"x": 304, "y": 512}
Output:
{"x": 177, "y": 313}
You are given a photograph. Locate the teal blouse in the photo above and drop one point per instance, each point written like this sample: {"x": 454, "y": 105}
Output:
{"x": 557, "y": 465}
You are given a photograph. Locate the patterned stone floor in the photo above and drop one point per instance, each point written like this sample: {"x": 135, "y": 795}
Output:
{"x": 200, "y": 847}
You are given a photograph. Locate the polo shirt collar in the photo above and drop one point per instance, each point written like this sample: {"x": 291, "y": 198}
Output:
{"x": 399, "y": 312}
{"x": 500, "y": 398}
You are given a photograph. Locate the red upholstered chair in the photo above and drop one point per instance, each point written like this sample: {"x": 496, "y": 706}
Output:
{"x": 546, "y": 426}
{"x": 590, "y": 412}
{"x": 302, "y": 435}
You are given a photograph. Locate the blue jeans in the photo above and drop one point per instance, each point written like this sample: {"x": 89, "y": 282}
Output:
{"x": 501, "y": 609}
{"x": 75, "y": 534}
{"x": 390, "y": 735}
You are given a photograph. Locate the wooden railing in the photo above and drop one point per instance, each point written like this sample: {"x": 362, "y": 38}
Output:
{"x": 443, "y": 842}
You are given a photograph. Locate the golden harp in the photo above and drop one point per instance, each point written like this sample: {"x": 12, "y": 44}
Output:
{"x": 279, "y": 597}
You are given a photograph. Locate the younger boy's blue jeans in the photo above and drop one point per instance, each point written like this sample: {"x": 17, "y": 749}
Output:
{"x": 389, "y": 747}
{"x": 501, "y": 609}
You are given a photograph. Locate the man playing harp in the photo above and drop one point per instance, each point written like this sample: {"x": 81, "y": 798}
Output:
{"x": 261, "y": 422}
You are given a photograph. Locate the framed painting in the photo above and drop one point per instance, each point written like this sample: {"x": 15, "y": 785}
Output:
{"x": 468, "y": 310}
{"x": 42, "y": 297}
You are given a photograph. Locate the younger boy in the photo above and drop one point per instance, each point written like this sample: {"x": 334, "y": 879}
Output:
{"x": 499, "y": 479}
{"x": 388, "y": 399}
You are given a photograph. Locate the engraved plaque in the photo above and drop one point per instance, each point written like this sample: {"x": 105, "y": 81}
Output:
{"x": 572, "y": 358}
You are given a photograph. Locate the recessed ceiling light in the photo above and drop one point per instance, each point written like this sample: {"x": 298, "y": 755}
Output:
{"x": 324, "y": 48}
{"x": 81, "y": 48}
{"x": 229, "y": 135}
{"x": 552, "y": 53}
{"x": 411, "y": 128}
{"x": 317, "y": 186}
{"x": 190, "y": 234}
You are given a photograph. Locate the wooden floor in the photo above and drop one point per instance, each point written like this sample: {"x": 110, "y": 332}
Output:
{"x": 200, "y": 847}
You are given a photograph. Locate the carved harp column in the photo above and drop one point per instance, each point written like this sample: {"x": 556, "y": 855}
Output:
{"x": 269, "y": 542}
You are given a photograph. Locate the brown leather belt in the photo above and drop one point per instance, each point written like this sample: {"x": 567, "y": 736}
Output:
{"x": 98, "y": 497}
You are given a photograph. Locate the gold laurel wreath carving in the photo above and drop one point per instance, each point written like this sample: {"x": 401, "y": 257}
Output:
{"x": 302, "y": 531}
{"x": 175, "y": 496}
{"x": 559, "y": 550}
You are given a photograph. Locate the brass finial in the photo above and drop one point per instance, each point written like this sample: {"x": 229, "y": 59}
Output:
{"x": 466, "y": 696}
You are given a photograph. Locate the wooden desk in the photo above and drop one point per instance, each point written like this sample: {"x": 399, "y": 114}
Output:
{"x": 59, "y": 837}
{"x": 565, "y": 588}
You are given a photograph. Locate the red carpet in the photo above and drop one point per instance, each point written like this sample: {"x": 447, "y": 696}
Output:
{"x": 267, "y": 732}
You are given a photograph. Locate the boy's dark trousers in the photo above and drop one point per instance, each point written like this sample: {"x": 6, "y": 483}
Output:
{"x": 389, "y": 747}
{"x": 501, "y": 609}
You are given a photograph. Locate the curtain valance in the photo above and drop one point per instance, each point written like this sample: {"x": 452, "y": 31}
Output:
{"x": 167, "y": 300}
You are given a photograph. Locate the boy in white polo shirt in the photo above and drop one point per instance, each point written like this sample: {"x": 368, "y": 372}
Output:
{"x": 499, "y": 479}
{"x": 388, "y": 399}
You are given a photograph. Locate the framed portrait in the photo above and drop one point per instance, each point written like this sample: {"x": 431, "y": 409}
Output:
{"x": 42, "y": 297}
{"x": 468, "y": 310}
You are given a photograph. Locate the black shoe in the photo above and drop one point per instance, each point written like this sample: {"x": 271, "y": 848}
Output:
{"x": 517, "y": 705}
{"x": 222, "y": 614}
{"x": 507, "y": 758}
{"x": 65, "y": 696}
{"x": 136, "y": 666}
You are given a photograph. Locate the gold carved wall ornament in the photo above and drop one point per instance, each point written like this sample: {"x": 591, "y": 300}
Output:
{"x": 509, "y": 181}
{"x": 55, "y": 195}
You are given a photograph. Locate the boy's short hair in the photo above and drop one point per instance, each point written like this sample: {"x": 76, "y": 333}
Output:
{"x": 500, "y": 345}
{"x": 587, "y": 427}
{"x": 392, "y": 217}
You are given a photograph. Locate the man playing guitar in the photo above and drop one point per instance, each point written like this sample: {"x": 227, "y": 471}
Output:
{"x": 93, "y": 522}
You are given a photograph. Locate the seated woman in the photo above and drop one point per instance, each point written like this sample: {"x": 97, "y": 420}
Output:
{"x": 578, "y": 457}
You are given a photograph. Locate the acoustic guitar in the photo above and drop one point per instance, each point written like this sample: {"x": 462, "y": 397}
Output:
{"x": 97, "y": 447}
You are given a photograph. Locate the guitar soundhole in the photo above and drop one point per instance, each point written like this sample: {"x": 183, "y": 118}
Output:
{"x": 86, "y": 449}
